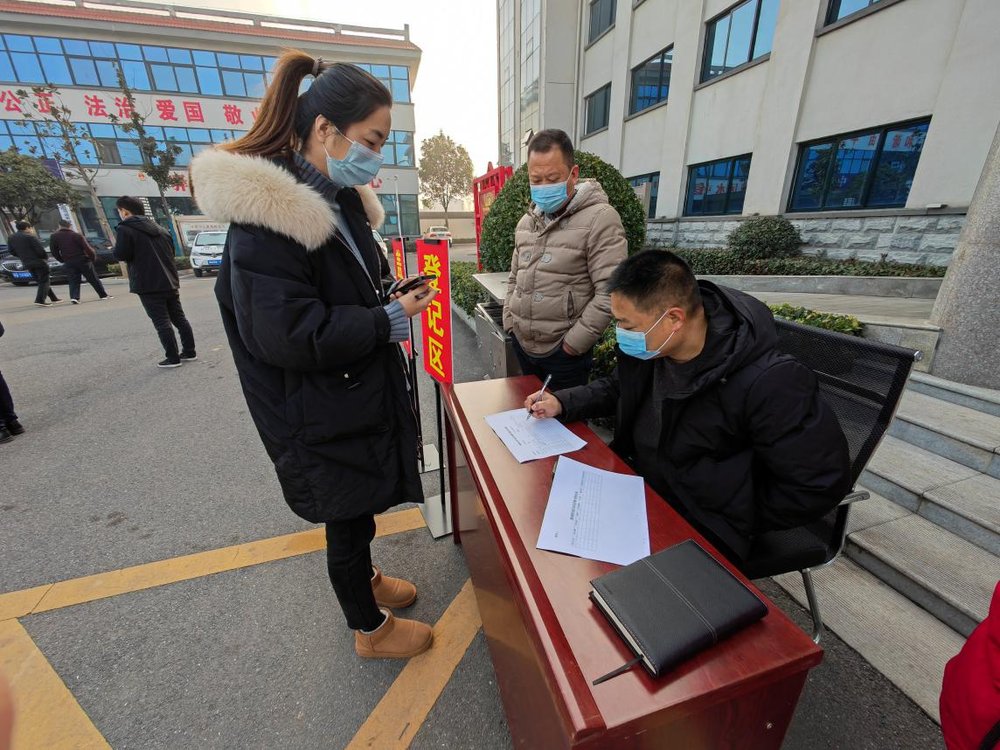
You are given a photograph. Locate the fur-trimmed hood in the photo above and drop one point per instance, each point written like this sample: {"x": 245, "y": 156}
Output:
{"x": 256, "y": 191}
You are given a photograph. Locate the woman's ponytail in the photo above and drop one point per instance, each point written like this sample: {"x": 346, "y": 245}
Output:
{"x": 273, "y": 132}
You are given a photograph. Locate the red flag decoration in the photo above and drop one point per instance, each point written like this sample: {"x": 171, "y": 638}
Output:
{"x": 399, "y": 269}
{"x": 435, "y": 321}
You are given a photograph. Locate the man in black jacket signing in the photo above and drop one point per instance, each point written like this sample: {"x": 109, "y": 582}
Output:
{"x": 733, "y": 433}
{"x": 24, "y": 243}
{"x": 149, "y": 252}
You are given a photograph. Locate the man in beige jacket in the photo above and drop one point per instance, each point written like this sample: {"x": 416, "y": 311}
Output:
{"x": 565, "y": 248}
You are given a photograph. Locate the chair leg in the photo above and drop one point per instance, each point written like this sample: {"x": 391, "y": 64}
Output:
{"x": 817, "y": 616}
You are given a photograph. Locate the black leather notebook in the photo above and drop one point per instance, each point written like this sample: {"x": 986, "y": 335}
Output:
{"x": 671, "y": 605}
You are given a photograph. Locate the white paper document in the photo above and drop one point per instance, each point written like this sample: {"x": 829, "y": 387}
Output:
{"x": 595, "y": 514}
{"x": 529, "y": 438}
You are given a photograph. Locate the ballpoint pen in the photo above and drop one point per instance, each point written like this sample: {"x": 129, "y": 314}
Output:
{"x": 541, "y": 393}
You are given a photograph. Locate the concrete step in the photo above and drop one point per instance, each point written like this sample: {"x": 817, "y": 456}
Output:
{"x": 960, "y": 433}
{"x": 901, "y": 640}
{"x": 985, "y": 400}
{"x": 949, "y": 577}
{"x": 956, "y": 497}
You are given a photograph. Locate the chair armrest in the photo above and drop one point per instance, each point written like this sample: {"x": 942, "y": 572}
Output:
{"x": 854, "y": 497}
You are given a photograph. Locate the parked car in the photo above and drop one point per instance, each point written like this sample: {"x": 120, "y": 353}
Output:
{"x": 13, "y": 271}
{"x": 206, "y": 252}
{"x": 437, "y": 233}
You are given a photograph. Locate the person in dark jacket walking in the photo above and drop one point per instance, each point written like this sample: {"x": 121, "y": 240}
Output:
{"x": 24, "y": 243}
{"x": 73, "y": 251}
{"x": 302, "y": 292}
{"x": 9, "y": 424}
{"x": 149, "y": 252}
{"x": 731, "y": 432}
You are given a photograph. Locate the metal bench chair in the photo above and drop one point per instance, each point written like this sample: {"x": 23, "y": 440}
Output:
{"x": 862, "y": 381}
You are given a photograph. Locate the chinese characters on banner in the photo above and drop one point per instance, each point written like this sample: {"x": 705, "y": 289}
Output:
{"x": 101, "y": 105}
{"x": 399, "y": 271}
{"x": 435, "y": 321}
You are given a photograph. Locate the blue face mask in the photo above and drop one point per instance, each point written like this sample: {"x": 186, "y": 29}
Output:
{"x": 633, "y": 343}
{"x": 358, "y": 167}
{"x": 549, "y": 198}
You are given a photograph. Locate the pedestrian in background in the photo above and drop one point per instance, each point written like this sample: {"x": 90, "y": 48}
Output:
{"x": 302, "y": 288}
{"x": 9, "y": 425}
{"x": 149, "y": 252}
{"x": 24, "y": 243}
{"x": 73, "y": 251}
{"x": 565, "y": 248}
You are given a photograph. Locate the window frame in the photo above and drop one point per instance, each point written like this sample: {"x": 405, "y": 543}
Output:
{"x": 632, "y": 72}
{"x": 834, "y": 141}
{"x": 706, "y": 57}
{"x": 650, "y": 178}
{"x": 732, "y": 160}
{"x": 586, "y": 107}
{"x": 592, "y": 38}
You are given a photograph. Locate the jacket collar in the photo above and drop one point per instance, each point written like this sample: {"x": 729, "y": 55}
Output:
{"x": 256, "y": 191}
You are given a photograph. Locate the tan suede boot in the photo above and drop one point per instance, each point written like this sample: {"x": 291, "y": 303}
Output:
{"x": 395, "y": 639}
{"x": 392, "y": 592}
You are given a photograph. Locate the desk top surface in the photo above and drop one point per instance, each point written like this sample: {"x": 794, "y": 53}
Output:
{"x": 570, "y": 630}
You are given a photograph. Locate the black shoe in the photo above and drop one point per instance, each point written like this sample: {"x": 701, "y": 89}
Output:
{"x": 5, "y": 436}
{"x": 44, "y": 304}
{"x": 15, "y": 428}
{"x": 169, "y": 363}
{"x": 188, "y": 356}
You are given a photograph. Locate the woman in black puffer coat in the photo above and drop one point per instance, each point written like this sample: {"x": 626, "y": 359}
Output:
{"x": 315, "y": 341}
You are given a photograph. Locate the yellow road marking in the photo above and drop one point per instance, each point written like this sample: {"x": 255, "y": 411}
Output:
{"x": 184, "y": 568}
{"x": 46, "y": 713}
{"x": 401, "y": 712}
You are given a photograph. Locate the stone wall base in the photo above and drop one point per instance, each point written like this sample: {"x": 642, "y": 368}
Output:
{"x": 903, "y": 238}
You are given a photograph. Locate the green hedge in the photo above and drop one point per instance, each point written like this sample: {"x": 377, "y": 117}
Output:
{"x": 497, "y": 244}
{"x": 726, "y": 262}
{"x": 182, "y": 262}
{"x": 465, "y": 290}
{"x": 765, "y": 237}
{"x": 605, "y": 356}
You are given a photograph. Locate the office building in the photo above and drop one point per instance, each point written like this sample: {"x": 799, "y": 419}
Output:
{"x": 866, "y": 122}
{"x": 197, "y": 76}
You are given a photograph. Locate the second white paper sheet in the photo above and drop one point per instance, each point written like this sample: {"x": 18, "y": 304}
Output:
{"x": 596, "y": 514}
{"x": 529, "y": 438}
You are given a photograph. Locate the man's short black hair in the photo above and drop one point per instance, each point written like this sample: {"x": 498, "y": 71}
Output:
{"x": 545, "y": 140}
{"x": 65, "y": 224}
{"x": 22, "y": 226}
{"x": 132, "y": 205}
{"x": 655, "y": 280}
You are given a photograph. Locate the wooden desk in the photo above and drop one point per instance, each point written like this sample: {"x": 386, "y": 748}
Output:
{"x": 548, "y": 642}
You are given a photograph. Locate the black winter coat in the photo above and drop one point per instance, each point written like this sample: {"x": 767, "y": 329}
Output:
{"x": 748, "y": 446}
{"x": 326, "y": 389}
{"x": 28, "y": 248}
{"x": 149, "y": 252}
{"x": 68, "y": 246}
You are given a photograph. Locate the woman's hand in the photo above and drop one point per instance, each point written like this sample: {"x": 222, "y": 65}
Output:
{"x": 545, "y": 407}
{"x": 416, "y": 300}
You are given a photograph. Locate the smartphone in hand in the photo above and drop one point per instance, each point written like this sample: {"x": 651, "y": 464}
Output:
{"x": 402, "y": 286}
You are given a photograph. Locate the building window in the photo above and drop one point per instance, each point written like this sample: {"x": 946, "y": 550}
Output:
{"x": 870, "y": 169}
{"x": 844, "y": 8}
{"x": 651, "y": 81}
{"x": 602, "y": 17}
{"x": 598, "y": 107}
{"x": 398, "y": 149}
{"x": 653, "y": 180}
{"x": 741, "y": 34}
{"x": 717, "y": 187}
{"x": 396, "y": 78}
{"x": 408, "y": 212}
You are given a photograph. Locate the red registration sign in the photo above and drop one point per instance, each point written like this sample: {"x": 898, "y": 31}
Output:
{"x": 435, "y": 321}
{"x": 399, "y": 270}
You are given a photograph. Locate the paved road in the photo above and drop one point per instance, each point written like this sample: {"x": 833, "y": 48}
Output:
{"x": 124, "y": 464}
